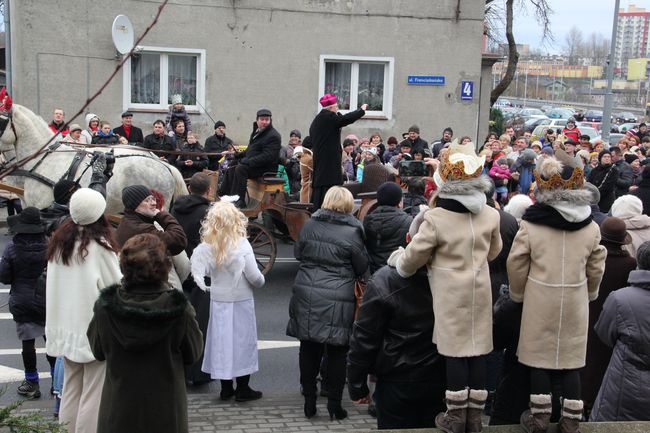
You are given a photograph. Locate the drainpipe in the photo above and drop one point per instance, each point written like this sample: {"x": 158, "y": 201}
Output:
{"x": 8, "y": 47}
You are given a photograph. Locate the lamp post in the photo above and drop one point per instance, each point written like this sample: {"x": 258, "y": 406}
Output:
{"x": 526, "y": 83}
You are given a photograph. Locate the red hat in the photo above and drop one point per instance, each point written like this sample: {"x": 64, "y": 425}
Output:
{"x": 327, "y": 100}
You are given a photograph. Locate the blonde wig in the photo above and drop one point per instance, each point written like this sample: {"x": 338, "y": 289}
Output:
{"x": 222, "y": 228}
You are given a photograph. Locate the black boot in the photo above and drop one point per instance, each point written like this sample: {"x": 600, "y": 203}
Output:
{"x": 227, "y": 391}
{"x": 245, "y": 392}
{"x": 335, "y": 410}
{"x": 310, "y": 406}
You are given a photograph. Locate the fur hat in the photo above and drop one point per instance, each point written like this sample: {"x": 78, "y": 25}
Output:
{"x": 517, "y": 205}
{"x": 86, "y": 206}
{"x": 389, "y": 194}
{"x": 561, "y": 172}
{"x": 460, "y": 163}
{"x": 133, "y": 195}
{"x": 63, "y": 190}
{"x": 627, "y": 206}
{"x": 177, "y": 99}
{"x": 75, "y": 127}
{"x": 613, "y": 230}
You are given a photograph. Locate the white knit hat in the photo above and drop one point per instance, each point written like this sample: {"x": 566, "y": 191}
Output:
{"x": 86, "y": 206}
{"x": 627, "y": 206}
{"x": 177, "y": 99}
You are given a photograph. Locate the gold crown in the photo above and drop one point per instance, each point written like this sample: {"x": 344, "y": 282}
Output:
{"x": 456, "y": 170}
{"x": 576, "y": 181}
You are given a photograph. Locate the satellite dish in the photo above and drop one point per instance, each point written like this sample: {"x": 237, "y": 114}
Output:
{"x": 122, "y": 34}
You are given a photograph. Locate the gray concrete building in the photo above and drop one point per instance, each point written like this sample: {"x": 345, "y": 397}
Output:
{"x": 413, "y": 61}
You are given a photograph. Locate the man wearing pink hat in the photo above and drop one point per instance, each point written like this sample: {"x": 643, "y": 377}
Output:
{"x": 325, "y": 133}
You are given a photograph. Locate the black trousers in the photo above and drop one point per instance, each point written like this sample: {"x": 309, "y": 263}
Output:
{"x": 310, "y": 357}
{"x": 541, "y": 382}
{"x": 318, "y": 195}
{"x": 29, "y": 356}
{"x": 407, "y": 405}
{"x": 466, "y": 372}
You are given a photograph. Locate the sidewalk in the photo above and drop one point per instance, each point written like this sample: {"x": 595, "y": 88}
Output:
{"x": 207, "y": 413}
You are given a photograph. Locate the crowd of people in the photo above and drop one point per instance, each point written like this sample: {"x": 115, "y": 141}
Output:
{"x": 511, "y": 282}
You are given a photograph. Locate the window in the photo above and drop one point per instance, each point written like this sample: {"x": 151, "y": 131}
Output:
{"x": 154, "y": 75}
{"x": 359, "y": 80}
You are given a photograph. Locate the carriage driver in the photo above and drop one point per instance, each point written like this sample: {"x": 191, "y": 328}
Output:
{"x": 260, "y": 157}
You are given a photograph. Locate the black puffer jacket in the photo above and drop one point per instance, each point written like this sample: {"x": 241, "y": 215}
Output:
{"x": 392, "y": 335}
{"x": 625, "y": 326}
{"x": 23, "y": 263}
{"x": 332, "y": 254}
{"x": 385, "y": 229}
{"x": 216, "y": 143}
{"x": 508, "y": 228}
{"x": 189, "y": 211}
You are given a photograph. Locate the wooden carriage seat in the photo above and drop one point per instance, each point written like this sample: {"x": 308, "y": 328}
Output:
{"x": 258, "y": 186}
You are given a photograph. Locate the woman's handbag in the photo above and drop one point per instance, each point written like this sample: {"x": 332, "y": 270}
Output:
{"x": 359, "y": 289}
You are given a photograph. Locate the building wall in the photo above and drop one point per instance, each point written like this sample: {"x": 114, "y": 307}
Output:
{"x": 258, "y": 54}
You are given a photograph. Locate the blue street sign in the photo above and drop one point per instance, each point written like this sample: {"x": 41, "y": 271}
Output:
{"x": 426, "y": 80}
{"x": 467, "y": 90}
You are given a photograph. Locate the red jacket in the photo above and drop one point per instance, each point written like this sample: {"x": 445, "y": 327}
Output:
{"x": 55, "y": 129}
{"x": 574, "y": 134}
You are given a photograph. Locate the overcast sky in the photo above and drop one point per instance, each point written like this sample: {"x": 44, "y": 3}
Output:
{"x": 588, "y": 15}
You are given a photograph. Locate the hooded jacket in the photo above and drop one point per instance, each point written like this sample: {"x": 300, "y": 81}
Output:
{"x": 146, "y": 334}
{"x": 87, "y": 133}
{"x": 189, "y": 211}
{"x": 624, "y": 325}
{"x": 332, "y": 255}
{"x": 23, "y": 265}
{"x": 638, "y": 226}
{"x": 385, "y": 229}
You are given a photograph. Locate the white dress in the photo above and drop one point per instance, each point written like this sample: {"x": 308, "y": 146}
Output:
{"x": 231, "y": 340}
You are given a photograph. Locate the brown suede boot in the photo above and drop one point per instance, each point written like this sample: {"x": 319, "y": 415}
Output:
{"x": 538, "y": 417}
{"x": 571, "y": 416}
{"x": 453, "y": 421}
{"x": 475, "y": 408}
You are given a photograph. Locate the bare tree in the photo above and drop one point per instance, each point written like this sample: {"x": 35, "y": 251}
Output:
{"x": 542, "y": 12}
{"x": 597, "y": 48}
{"x": 573, "y": 46}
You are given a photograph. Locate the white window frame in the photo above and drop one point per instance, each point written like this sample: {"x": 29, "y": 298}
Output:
{"x": 164, "y": 79}
{"x": 389, "y": 73}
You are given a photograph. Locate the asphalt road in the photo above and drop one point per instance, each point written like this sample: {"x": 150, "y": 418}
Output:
{"x": 278, "y": 354}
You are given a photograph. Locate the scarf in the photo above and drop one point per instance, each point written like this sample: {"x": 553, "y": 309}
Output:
{"x": 546, "y": 215}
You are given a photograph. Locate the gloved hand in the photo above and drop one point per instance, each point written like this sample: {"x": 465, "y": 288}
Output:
{"x": 99, "y": 165}
{"x": 394, "y": 257}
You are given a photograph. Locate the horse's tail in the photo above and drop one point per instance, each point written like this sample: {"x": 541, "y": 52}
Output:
{"x": 179, "y": 184}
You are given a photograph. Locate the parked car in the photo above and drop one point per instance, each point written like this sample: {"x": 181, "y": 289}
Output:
{"x": 539, "y": 130}
{"x": 591, "y": 132}
{"x": 502, "y": 102}
{"x": 546, "y": 108}
{"x": 560, "y": 113}
{"x": 531, "y": 124}
{"x": 532, "y": 113}
{"x": 615, "y": 137}
{"x": 593, "y": 116}
{"x": 624, "y": 117}
{"x": 596, "y": 125}
{"x": 626, "y": 126}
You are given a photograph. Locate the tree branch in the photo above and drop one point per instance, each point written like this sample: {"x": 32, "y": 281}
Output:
{"x": 513, "y": 56}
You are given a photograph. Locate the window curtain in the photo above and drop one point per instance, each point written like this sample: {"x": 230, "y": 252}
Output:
{"x": 371, "y": 86}
{"x": 182, "y": 78}
{"x": 337, "y": 81}
{"x": 145, "y": 79}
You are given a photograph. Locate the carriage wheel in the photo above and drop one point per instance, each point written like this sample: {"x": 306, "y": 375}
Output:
{"x": 263, "y": 245}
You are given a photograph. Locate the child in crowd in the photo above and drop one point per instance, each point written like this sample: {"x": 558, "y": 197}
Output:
{"x": 500, "y": 173}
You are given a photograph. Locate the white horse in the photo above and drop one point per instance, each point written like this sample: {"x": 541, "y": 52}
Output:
{"x": 132, "y": 166}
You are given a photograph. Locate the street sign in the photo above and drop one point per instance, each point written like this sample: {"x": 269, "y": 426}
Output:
{"x": 426, "y": 80}
{"x": 466, "y": 90}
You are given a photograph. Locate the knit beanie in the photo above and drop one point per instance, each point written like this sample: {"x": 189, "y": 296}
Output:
{"x": 528, "y": 155}
{"x": 133, "y": 195}
{"x": 630, "y": 158}
{"x": 643, "y": 256}
{"x": 86, "y": 206}
{"x": 63, "y": 190}
{"x": 218, "y": 124}
{"x": 603, "y": 153}
{"x": 389, "y": 194}
{"x": 627, "y": 206}
{"x": 501, "y": 161}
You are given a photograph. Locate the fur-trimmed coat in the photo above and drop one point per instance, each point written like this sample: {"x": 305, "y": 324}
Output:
{"x": 146, "y": 334}
{"x": 456, "y": 247}
{"x": 555, "y": 273}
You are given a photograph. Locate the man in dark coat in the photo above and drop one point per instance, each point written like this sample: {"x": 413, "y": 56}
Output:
{"x": 436, "y": 147}
{"x": 643, "y": 191}
{"x": 325, "y": 134}
{"x": 140, "y": 213}
{"x": 414, "y": 139}
{"x": 260, "y": 157}
{"x": 128, "y": 131}
{"x": 386, "y": 226}
{"x": 158, "y": 140}
{"x": 190, "y": 162}
{"x": 218, "y": 142}
{"x": 391, "y": 338}
{"x": 624, "y": 179}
